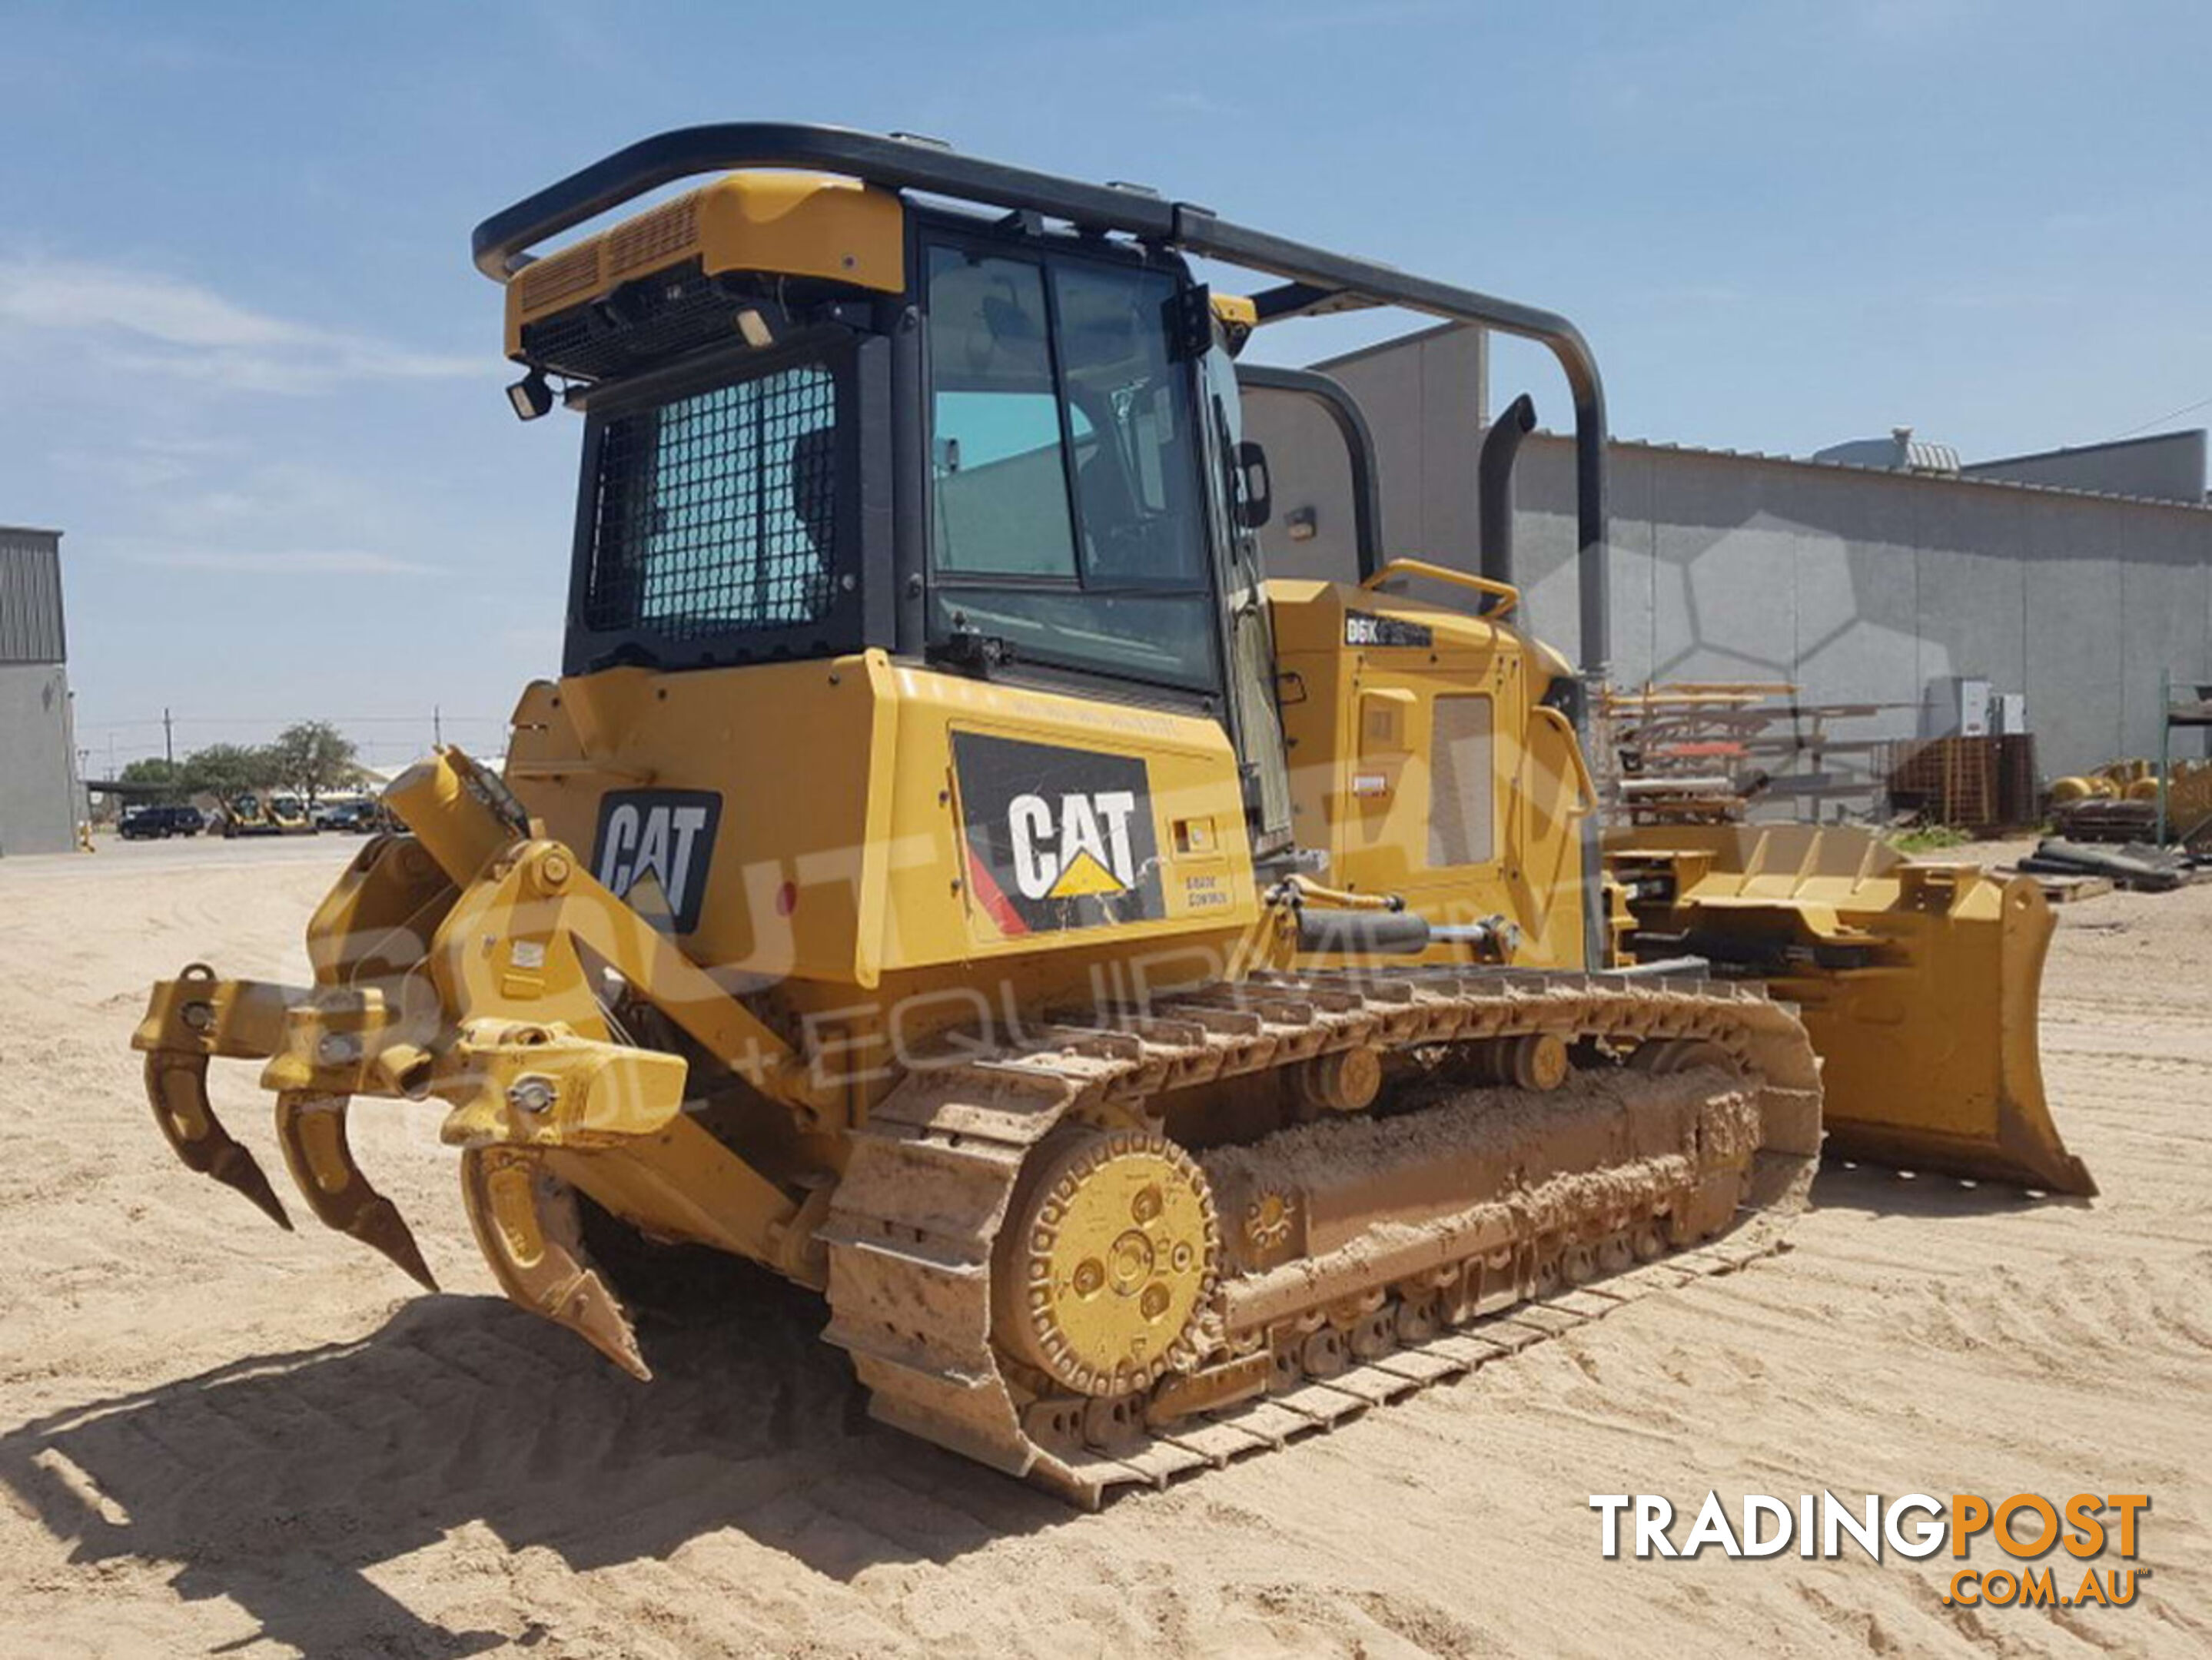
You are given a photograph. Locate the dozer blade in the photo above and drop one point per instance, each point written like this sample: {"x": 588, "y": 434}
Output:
{"x": 525, "y": 1221}
{"x": 1918, "y": 983}
{"x": 176, "y": 1085}
{"x": 1935, "y": 1064}
{"x": 312, "y": 1129}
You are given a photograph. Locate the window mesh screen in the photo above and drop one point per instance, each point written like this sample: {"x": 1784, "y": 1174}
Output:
{"x": 717, "y": 513}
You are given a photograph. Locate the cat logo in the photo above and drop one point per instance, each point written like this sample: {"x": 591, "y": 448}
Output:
{"x": 1079, "y": 847}
{"x": 1057, "y": 838}
{"x": 654, "y": 850}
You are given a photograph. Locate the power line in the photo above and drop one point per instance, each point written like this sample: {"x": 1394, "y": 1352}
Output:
{"x": 274, "y": 720}
{"x": 378, "y": 740}
{"x": 2161, "y": 420}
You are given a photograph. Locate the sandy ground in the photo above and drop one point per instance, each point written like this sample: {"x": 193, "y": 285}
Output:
{"x": 217, "y": 1437}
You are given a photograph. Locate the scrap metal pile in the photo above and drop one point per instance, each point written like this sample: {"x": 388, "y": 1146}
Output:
{"x": 2140, "y": 867}
{"x": 2119, "y": 802}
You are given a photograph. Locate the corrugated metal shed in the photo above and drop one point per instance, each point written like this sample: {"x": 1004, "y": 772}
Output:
{"x": 31, "y": 596}
{"x": 1899, "y": 453}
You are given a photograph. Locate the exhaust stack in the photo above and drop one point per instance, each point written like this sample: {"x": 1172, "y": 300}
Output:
{"x": 1501, "y": 448}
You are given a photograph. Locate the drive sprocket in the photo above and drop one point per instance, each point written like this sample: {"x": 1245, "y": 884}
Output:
{"x": 1110, "y": 1256}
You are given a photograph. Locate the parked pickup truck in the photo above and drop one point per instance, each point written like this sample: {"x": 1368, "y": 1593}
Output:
{"x": 157, "y": 824}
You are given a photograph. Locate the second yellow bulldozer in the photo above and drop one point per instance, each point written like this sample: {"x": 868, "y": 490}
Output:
{"x": 1161, "y": 1011}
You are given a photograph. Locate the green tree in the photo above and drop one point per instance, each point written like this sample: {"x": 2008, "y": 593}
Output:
{"x": 228, "y": 769}
{"x": 165, "y": 779}
{"x": 312, "y": 757}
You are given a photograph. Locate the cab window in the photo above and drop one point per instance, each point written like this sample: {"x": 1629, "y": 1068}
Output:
{"x": 1067, "y": 516}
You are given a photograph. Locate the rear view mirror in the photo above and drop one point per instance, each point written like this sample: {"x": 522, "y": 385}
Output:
{"x": 1256, "y": 501}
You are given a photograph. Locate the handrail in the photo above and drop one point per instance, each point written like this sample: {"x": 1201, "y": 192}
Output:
{"x": 1504, "y": 592}
{"x": 1588, "y": 784}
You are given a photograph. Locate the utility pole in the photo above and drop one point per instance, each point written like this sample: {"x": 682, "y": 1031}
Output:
{"x": 168, "y": 739}
{"x": 437, "y": 726}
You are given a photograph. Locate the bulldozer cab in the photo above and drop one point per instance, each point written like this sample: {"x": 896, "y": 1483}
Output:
{"x": 863, "y": 392}
{"x": 1016, "y": 460}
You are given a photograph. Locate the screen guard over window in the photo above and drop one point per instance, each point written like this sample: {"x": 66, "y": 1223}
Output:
{"x": 712, "y": 521}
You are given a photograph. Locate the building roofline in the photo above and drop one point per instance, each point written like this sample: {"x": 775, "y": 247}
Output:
{"x": 1965, "y": 476}
{"x": 30, "y": 530}
{"x": 1395, "y": 343}
{"x": 2197, "y": 433}
{"x": 1971, "y": 481}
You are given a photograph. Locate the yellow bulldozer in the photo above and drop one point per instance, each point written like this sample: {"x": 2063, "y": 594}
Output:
{"x": 257, "y": 812}
{"x": 1160, "y": 1010}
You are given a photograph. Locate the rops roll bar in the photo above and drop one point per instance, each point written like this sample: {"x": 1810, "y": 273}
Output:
{"x": 1315, "y": 278}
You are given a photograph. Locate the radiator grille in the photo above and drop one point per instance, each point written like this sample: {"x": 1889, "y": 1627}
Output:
{"x": 677, "y": 312}
{"x": 717, "y": 514}
{"x": 655, "y": 237}
{"x": 561, "y": 277}
{"x": 1463, "y": 784}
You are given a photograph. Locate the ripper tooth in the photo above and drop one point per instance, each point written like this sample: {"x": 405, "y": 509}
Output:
{"x": 311, "y": 1128}
{"x": 176, "y": 1084}
{"x": 526, "y": 1222}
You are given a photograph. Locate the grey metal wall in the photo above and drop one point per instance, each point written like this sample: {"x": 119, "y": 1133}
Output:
{"x": 38, "y": 773}
{"x": 1422, "y": 385}
{"x": 30, "y": 596}
{"x": 39, "y": 795}
{"x": 2169, "y": 465}
{"x": 1858, "y": 585}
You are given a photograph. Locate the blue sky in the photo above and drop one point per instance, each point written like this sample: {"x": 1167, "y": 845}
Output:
{"x": 248, "y": 369}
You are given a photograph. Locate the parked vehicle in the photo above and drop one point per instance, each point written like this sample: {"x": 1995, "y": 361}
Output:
{"x": 261, "y": 812}
{"x": 356, "y": 818}
{"x": 157, "y": 824}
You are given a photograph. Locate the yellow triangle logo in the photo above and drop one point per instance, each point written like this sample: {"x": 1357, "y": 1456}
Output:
{"x": 1084, "y": 874}
{"x": 649, "y": 898}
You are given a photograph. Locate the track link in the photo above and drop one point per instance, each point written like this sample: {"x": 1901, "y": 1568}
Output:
{"x": 911, "y": 1232}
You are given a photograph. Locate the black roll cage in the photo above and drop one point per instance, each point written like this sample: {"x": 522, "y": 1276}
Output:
{"x": 1314, "y": 280}
{"x": 1335, "y": 400}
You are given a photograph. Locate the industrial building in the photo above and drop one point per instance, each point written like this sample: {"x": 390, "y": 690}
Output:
{"x": 40, "y": 797}
{"x": 1881, "y": 574}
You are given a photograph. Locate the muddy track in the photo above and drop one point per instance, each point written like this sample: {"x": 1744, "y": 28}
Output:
{"x": 912, "y": 1232}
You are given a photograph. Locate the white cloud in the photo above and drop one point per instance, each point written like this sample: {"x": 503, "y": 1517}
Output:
{"x": 145, "y": 322}
{"x": 1193, "y": 102}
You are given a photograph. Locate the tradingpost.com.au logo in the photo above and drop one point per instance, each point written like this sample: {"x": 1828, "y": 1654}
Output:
{"x": 2045, "y": 1541}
